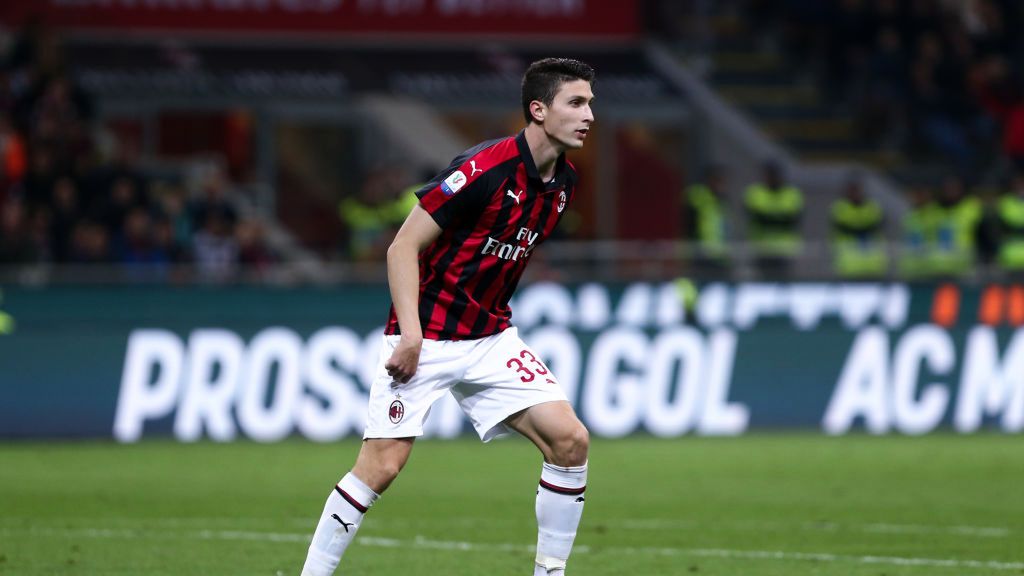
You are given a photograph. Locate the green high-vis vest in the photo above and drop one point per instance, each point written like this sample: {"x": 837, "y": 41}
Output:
{"x": 775, "y": 219}
{"x": 1010, "y": 212}
{"x": 919, "y": 226}
{"x": 956, "y": 226}
{"x": 858, "y": 243}
{"x": 367, "y": 222}
{"x": 710, "y": 220}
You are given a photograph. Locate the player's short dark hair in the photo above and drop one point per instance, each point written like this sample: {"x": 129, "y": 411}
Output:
{"x": 544, "y": 77}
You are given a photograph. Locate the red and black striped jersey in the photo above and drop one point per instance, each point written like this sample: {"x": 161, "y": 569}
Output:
{"x": 493, "y": 210}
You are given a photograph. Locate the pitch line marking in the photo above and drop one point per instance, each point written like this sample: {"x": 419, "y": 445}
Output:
{"x": 628, "y": 523}
{"x": 426, "y": 543}
{"x": 875, "y": 527}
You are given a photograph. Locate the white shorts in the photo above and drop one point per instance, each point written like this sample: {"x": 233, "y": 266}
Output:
{"x": 491, "y": 378}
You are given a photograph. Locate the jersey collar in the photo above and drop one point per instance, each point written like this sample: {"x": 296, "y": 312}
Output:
{"x": 531, "y": 167}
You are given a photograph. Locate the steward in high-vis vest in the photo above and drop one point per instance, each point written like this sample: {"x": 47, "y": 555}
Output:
{"x": 774, "y": 210}
{"x": 957, "y": 217}
{"x": 1010, "y": 218}
{"x": 705, "y": 217}
{"x": 858, "y": 239}
{"x": 373, "y": 217}
{"x": 920, "y": 226}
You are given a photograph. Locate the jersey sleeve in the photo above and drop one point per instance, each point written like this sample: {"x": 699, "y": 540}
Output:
{"x": 458, "y": 194}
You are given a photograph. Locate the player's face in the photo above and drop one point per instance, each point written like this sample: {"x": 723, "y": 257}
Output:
{"x": 569, "y": 117}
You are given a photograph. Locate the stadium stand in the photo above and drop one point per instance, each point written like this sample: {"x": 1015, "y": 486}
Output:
{"x": 197, "y": 158}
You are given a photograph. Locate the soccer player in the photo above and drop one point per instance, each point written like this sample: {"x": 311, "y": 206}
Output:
{"x": 452, "y": 268}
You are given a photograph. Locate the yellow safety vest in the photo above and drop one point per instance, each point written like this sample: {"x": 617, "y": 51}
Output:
{"x": 954, "y": 237}
{"x": 858, "y": 242}
{"x": 710, "y": 220}
{"x": 1011, "y": 223}
{"x": 367, "y": 222}
{"x": 775, "y": 219}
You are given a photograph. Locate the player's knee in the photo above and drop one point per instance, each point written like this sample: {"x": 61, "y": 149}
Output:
{"x": 581, "y": 444}
{"x": 378, "y": 473}
{"x": 389, "y": 470}
{"x": 571, "y": 449}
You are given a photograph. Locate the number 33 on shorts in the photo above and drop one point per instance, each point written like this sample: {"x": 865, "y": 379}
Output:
{"x": 525, "y": 373}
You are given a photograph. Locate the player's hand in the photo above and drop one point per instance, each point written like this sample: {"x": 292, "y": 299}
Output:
{"x": 404, "y": 360}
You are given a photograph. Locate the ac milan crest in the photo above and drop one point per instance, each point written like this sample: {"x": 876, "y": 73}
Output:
{"x": 396, "y": 411}
{"x": 561, "y": 201}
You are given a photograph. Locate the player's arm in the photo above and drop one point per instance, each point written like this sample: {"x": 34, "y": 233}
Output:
{"x": 418, "y": 231}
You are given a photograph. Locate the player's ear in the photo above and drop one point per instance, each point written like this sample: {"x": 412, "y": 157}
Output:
{"x": 538, "y": 111}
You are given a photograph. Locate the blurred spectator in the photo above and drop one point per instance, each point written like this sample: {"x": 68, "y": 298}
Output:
{"x": 59, "y": 115}
{"x": 90, "y": 243}
{"x": 985, "y": 23}
{"x": 35, "y": 52}
{"x": 881, "y": 110}
{"x": 65, "y": 212}
{"x": 13, "y": 156}
{"x": 942, "y": 116}
{"x": 174, "y": 209}
{"x": 1013, "y": 132}
{"x": 705, "y": 217}
{"x": 847, "y": 47}
{"x": 166, "y": 245}
{"x": 992, "y": 85}
{"x": 37, "y": 187}
{"x": 936, "y": 80}
{"x": 774, "y": 209}
{"x": 133, "y": 245}
{"x": 215, "y": 248}
{"x": 39, "y": 234}
{"x": 375, "y": 214}
{"x": 1010, "y": 219}
{"x": 407, "y": 198}
{"x": 16, "y": 244}
{"x": 987, "y": 247}
{"x": 213, "y": 202}
{"x": 253, "y": 254}
{"x": 64, "y": 203}
{"x": 957, "y": 219}
{"x": 858, "y": 242}
{"x": 919, "y": 229}
{"x": 124, "y": 197}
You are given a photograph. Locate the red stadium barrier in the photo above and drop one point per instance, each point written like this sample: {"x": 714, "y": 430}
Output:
{"x": 437, "y": 18}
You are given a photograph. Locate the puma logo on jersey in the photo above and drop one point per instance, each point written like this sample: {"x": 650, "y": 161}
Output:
{"x": 472, "y": 164}
{"x": 515, "y": 196}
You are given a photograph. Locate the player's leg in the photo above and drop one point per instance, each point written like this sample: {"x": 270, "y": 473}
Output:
{"x": 378, "y": 464}
{"x": 508, "y": 386}
{"x": 563, "y": 440}
{"x": 380, "y": 460}
{"x": 556, "y": 431}
{"x": 395, "y": 416}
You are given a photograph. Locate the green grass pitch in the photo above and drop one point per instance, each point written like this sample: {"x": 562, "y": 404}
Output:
{"x": 759, "y": 505}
